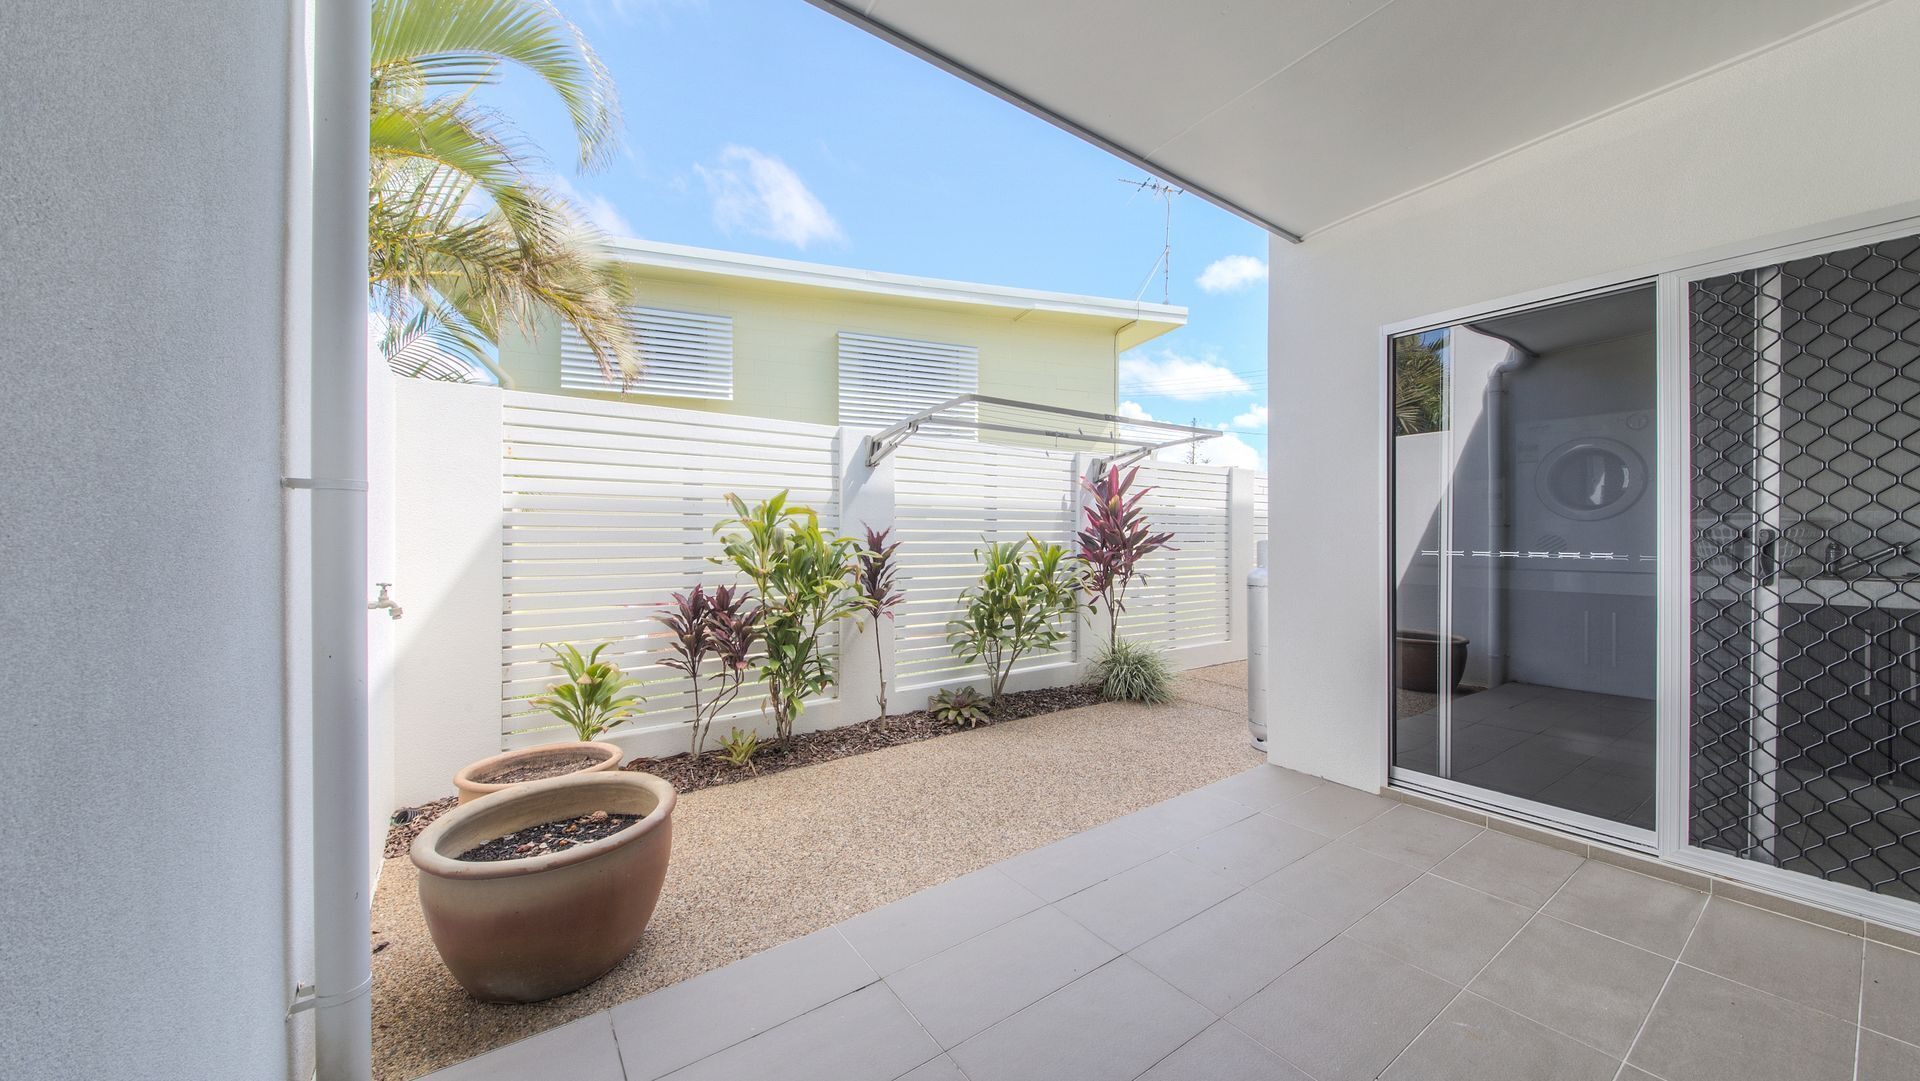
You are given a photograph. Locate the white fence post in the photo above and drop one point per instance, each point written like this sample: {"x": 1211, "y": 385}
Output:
{"x": 1240, "y": 533}
{"x": 866, "y": 501}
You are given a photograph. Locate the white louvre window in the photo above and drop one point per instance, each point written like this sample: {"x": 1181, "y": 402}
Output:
{"x": 682, "y": 355}
{"x": 886, "y": 380}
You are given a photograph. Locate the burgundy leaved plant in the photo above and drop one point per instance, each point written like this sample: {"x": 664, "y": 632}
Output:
{"x": 716, "y": 627}
{"x": 879, "y": 594}
{"x": 1115, "y": 541}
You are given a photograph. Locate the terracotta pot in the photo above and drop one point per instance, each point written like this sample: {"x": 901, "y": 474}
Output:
{"x": 1417, "y": 661}
{"x": 476, "y": 780}
{"x": 528, "y": 929}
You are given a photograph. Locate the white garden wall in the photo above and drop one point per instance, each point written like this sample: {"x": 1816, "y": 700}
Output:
{"x": 527, "y": 518}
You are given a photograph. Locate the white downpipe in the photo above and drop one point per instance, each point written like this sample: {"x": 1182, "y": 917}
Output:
{"x": 1498, "y": 511}
{"x": 343, "y": 1027}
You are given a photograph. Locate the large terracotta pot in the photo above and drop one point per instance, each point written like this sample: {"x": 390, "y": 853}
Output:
{"x": 1417, "y": 660}
{"x": 489, "y": 775}
{"x": 523, "y": 930}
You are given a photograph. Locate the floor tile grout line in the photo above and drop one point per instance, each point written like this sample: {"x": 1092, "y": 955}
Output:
{"x": 1860, "y": 1011}
{"x": 940, "y": 1049}
{"x": 1511, "y": 939}
{"x": 1774, "y": 995}
{"x": 1664, "y": 984}
{"x": 1339, "y": 935}
{"x": 1274, "y": 1051}
{"x": 1204, "y": 1008}
{"x": 619, "y": 1056}
{"x": 1044, "y": 903}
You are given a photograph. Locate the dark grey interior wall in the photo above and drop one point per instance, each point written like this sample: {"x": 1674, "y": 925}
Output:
{"x": 142, "y": 246}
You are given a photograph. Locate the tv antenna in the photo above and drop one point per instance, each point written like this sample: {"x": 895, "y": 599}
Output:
{"x": 1166, "y": 193}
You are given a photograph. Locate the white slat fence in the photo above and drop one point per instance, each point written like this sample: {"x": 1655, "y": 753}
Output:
{"x": 950, "y": 499}
{"x": 607, "y": 508}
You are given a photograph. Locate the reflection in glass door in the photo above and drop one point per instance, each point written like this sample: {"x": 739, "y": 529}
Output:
{"x": 1524, "y": 540}
{"x": 1805, "y": 693}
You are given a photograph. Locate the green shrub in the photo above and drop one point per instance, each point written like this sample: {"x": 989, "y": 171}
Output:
{"x": 960, "y": 708}
{"x": 806, "y": 579}
{"x": 1018, "y": 606}
{"x": 739, "y": 747}
{"x": 1133, "y": 672}
{"x": 594, "y": 697}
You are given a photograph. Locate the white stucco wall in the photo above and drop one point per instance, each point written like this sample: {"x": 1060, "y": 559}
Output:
{"x": 445, "y": 670}
{"x": 1816, "y": 131}
{"x": 145, "y": 907}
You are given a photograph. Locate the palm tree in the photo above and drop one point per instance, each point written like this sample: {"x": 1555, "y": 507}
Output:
{"x": 463, "y": 243}
{"x": 1419, "y": 383}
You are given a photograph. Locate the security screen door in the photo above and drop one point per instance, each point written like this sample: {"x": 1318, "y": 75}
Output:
{"x": 1804, "y": 740}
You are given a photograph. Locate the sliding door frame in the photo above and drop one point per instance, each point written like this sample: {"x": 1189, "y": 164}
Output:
{"x": 1532, "y": 811}
{"x": 1673, "y": 766}
{"x": 1668, "y": 840}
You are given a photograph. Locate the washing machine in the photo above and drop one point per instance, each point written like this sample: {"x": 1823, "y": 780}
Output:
{"x": 1585, "y": 485}
{"x": 1578, "y": 596}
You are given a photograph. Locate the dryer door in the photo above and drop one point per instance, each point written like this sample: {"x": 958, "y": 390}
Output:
{"x": 1591, "y": 478}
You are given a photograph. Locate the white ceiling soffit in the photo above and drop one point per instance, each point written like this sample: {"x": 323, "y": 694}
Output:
{"x": 1298, "y": 114}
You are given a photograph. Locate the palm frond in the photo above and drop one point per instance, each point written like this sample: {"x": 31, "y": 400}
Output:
{"x": 421, "y": 44}
{"x": 436, "y": 343}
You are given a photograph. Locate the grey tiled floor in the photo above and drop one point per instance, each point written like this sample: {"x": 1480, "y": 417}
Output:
{"x": 1272, "y": 927}
{"x": 1586, "y": 752}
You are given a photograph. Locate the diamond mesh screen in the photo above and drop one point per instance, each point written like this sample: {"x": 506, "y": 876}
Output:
{"x": 1806, "y": 565}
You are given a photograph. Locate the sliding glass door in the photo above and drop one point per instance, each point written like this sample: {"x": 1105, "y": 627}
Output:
{"x": 1524, "y": 560}
{"x": 1804, "y": 742}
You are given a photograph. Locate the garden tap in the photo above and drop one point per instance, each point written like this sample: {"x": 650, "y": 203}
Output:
{"x": 383, "y": 601}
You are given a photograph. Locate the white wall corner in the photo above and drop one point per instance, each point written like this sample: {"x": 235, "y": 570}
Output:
{"x": 447, "y": 548}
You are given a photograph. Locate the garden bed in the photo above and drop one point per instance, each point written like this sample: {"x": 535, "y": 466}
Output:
{"x": 690, "y": 775}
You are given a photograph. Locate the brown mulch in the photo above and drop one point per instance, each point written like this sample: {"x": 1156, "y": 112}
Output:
{"x": 556, "y": 836}
{"x": 710, "y": 769}
{"x": 547, "y": 765}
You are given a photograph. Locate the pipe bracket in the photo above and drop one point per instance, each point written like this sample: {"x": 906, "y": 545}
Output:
{"x": 336, "y": 484}
{"x": 304, "y": 998}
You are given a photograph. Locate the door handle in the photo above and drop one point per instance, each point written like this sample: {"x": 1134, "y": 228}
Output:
{"x": 1766, "y": 553}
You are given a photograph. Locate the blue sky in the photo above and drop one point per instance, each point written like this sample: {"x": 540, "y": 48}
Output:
{"x": 768, "y": 126}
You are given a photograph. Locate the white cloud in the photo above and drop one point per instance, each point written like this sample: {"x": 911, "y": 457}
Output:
{"x": 1231, "y": 274}
{"x": 759, "y": 194}
{"x": 1224, "y": 450}
{"x": 596, "y": 209}
{"x": 1134, "y": 411}
{"x": 1254, "y": 419}
{"x": 1171, "y": 375}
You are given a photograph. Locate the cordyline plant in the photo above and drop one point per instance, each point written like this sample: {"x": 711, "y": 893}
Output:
{"x": 594, "y": 697}
{"x": 805, "y": 576}
{"x": 879, "y": 594}
{"x": 711, "y": 636}
{"x": 1018, "y": 606}
{"x": 1115, "y": 541}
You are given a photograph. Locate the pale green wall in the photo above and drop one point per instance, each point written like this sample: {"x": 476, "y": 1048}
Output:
{"x": 785, "y": 355}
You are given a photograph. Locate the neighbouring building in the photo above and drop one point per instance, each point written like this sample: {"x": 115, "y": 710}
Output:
{"x": 757, "y": 336}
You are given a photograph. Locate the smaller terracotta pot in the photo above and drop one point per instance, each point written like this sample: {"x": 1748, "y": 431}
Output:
{"x": 522, "y": 930}
{"x": 478, "y": 780}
